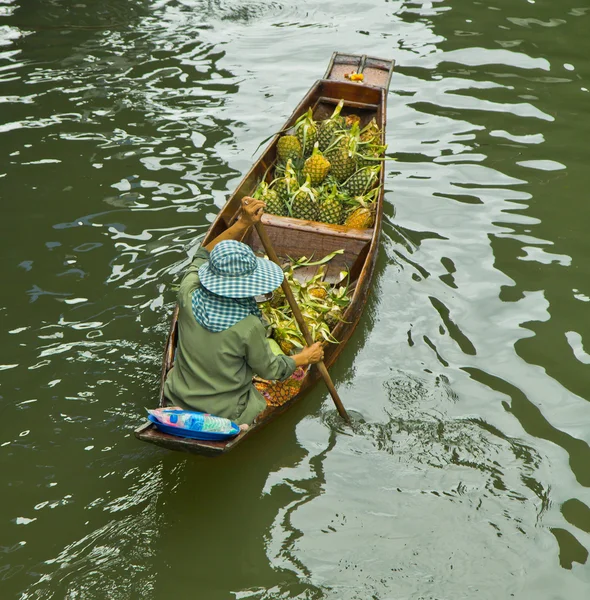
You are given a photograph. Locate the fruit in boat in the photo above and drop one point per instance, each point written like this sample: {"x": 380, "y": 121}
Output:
{"x": 360, "y": 218}
{"x": 316, "y": 167}
{"x": 275, "y": 205}
{"x": 342, "y": 162}
{"x": 317, "y": 291}
{"x": 342, "y": 154}
{"x": 361, "y": 181}
{"x": 321, "y": 305}
{"x": 287, "y": 346}
{"x": 288, "y": 147}
{"x": 327, "y": 129}
{"x": 330, "y": 210}
{"x": 285, "y": 186}
{"x": 306, "y": 130}
{"x": 361, "y": 210}
{"x": 335, "y": 156}
{"x": 304, "y": 204}
{"x": 371, "y": 133}
{"x": 350, "y": 120}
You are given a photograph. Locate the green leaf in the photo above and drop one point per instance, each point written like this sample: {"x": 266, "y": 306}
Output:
{"x": 305, "y": 262}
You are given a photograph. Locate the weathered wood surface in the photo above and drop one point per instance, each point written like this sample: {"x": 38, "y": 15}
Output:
{"x": 296, "y": 238}
{"x": 377, "y": 72}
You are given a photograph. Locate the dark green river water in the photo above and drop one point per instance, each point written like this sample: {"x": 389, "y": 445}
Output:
{"x": 124, "y": 124}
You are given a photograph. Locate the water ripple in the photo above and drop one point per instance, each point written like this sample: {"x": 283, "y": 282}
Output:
{"x": 124, "y": 127}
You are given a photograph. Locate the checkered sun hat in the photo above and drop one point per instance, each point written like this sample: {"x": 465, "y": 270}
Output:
{"x": 233, "y": 271}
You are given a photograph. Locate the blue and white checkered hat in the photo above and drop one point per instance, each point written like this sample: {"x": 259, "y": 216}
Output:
{"x": 233, "y": 271}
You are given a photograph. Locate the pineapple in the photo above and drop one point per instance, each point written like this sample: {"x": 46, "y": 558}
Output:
{"x": 288, "y": 147}
{"x": 371, "y": 133}
{"x": 275, "y": 205}
{"x": 362, "y": 181}
{"x": 360, "y": 218}
{"x": 306, "y": 131}
{"x": 342, "y": 153}
{"x": 316, "y": 166}
{"x": 350, "y": 120}
{"x": 361, "y": 210}
{"x": 331, "y": 207}
{"x": 343, "y": 164}
{"x": 318, "y": 292}
{"x": 304, "y": 204}
{"x": 285, "y": 186}
{"x": 288, "y": 338}
{"x": 328, "y": 128}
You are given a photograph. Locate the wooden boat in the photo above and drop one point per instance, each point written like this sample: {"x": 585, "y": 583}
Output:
{"x": 296, "y": 238}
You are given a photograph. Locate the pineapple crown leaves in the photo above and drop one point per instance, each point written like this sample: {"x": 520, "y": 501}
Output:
{"x": 306, "y": 124}
{"x": 365, "y": 201}
{"x": 289, "y": 334}
{"x": 289, "y": 176}
{"x": 261, "y": 190}
{"x": 323, "y": 330}
{"x": 372, "y": 195}
{"x": 337, "y": 110}
{"x": 340, "y": 301}
{"x": 319, "y": 306}
{"x": 321, "y": 313}
{"x": 305, "y": 119}
{"x": 290, "y": 171}
{"x": 307, "y": 262}
{"x": 306, "y": 188}
{"x": 329, "y": 193}
{"x": 355, "y": 132}
{"x": 370, "y": 131}
{"x": 348, "y": 140}
{"x": 316, "y": 151}
{"x": 372, "y": 174}
{"x": 373, "y": 152}
{"x": 318, "y": 278}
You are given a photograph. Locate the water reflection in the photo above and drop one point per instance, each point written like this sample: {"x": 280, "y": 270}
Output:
{"x": 125, "y": 124}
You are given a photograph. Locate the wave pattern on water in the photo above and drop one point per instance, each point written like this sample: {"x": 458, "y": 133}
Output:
{"x": 124, "y": 126}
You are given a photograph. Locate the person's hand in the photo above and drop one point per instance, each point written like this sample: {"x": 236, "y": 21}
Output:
{"x": 252, "y": 210}
{"x": 313, "y": 354}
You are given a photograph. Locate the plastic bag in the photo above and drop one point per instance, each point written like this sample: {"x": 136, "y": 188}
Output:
{"x": 193, "y": 424}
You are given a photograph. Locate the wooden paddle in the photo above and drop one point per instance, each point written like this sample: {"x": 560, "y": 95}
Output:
{"x": 300, "y": 320}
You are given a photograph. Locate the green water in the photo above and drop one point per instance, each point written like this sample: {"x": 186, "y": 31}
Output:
{"x": 124, "y": 124}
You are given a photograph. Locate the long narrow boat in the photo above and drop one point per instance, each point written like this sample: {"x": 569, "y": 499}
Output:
{"x": 295, "y": 238}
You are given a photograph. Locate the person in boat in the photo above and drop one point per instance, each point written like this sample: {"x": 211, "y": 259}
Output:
{"x": 221, "y": 339}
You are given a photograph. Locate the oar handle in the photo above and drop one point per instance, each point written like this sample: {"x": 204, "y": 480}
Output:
{"x": 300, "y": 320}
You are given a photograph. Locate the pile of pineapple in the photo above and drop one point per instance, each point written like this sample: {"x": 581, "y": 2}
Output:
{"x": 327, "y": 171}
{"x": 321, "y": 304}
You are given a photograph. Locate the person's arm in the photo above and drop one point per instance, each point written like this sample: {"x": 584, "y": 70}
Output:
{"x": 250, "y": 214}
{"x": 270, "y": 366}
{"x": 310, "y": 355}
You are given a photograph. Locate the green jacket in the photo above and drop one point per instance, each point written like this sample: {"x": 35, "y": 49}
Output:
{"x": 213, "y": 371}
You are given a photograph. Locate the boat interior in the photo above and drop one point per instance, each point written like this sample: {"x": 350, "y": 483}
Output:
{"x": 295, "y": 238}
